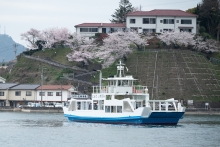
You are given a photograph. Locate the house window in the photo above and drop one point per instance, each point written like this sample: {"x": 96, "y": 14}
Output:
{"x": 84, "y": 29}
{"x": 177, "y": 21}
{"x": 185, "y": 30}
{"x": 149, "y": 30}
{"x": 88, "y": 29}
{"x": 17, "y": 93}
{"x": 50, "y": 93}
{"x": 58, "y": 93}
{"x": 132, "y": 20}
{"x": 186, "y": 21}
{"x": 161, "y": 21}
{"x": 28, "y": 93}
{"x": 93, "y": 29}
{"x": 149, "y": 20}
{"x": 1, "y": 93}
{"x": 168, "y": 30}
{"x": 168, "y": 21}
{"x": 41, "y": 93}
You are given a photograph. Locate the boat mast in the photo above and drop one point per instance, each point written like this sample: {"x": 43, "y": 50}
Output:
{"x": 120, "y": 69}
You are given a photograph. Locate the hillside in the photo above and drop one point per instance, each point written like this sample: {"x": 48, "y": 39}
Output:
{"x": 181, "y": 74}
{"x": 7, "y": 50}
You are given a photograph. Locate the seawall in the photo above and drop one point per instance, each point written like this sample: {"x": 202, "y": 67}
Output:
{"x": 32, "y": 109}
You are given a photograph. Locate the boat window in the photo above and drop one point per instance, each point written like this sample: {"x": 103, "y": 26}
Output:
{"x": 89, "y": 105}
{"x": 102, "y": 104}
{"x": 95, "y": 105}
{"x": 107, "y": 109}
{"x": 113, "y": 109}
{"x": 78, "y": 105}
{"x": 119, "y": 109}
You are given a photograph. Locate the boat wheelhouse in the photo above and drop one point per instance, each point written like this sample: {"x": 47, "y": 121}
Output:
{"x": 122, "y": 102}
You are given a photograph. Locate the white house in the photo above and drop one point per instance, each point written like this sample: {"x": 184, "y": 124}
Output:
{"x": 90, "y": 29}
{"x": 54, "y": 93}
{"x": 161, "y": 20}
{"x": 157, "y": 20}
{"x": 2, "y": 80}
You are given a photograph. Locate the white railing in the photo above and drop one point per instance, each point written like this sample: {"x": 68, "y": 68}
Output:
{"x": 98, "y": 89}
{"x": 139, "y": 89}
{"x": 164, "y": 105}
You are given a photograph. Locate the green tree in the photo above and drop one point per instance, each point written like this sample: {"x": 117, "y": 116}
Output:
{"x": 119, "y": 16}
{"x": 209, "y": 15}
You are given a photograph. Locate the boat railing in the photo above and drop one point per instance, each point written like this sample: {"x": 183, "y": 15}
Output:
{"x": 98, "y": 89}
{"x": 139, "y": 89}
{"x": 164, "y": 105}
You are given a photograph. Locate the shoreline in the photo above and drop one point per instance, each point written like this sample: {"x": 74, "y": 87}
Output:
{"x": 189, "y": 111}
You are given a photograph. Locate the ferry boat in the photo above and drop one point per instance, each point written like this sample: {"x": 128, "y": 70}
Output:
{"x": 132, "y": 105}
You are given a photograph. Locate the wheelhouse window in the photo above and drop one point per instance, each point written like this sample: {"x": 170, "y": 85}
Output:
{"x": 41, "y": 93}
{"x": 149, "y": 20}
{"x": 28, "y": 93}
{"x": 17, "y": 93}
{"x": 186, "y": 21}
{"x": 132, "y": 20}
{"x": 177, "y": 21}
{"x": 88, "y": 29}
{"x": 1, "y": 93}
{"x": 168, "y": 21}
{"x": 50, "y": 93}
{"x": 58, "y": 94}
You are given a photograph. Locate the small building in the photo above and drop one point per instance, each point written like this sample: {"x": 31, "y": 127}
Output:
{"x": 22, "y": 94}
{"x": 90, "y": 29}
{"x": 4, "y": 93}
{"x": 54, "y": 93}
{"x": 2, "y": 80}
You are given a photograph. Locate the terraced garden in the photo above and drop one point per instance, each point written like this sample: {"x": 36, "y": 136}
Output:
{"x": 181, "y": 74}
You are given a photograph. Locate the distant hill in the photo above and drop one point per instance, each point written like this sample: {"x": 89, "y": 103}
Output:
{"x": 7, "y": 50}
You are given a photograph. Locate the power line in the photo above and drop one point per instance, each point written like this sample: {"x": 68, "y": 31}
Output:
{"x": 15, "y": 50}
{"x": 170, "y": 3}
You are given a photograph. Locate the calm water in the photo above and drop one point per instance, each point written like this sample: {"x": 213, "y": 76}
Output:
{"x": 53, "y": 130}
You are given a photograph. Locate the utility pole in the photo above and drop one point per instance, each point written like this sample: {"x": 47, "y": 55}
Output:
{"x": 15, "y": 50}
{"x": 61, "y": 92}
{"x": 42, "y": 81}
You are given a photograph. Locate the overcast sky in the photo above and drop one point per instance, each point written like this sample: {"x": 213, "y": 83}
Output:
{"x": 18, "y": 16}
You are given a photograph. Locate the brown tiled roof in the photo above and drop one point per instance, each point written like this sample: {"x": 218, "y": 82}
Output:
{"x": 162, "y": 12}
{"x": 101, "y": 25}
{"x": 54, "y": 87}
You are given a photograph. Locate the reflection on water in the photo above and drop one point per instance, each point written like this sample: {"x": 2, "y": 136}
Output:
{"x": 48, "y": 129}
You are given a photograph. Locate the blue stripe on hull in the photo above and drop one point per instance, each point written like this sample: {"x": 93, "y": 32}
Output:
{"x": 156, "y": 118}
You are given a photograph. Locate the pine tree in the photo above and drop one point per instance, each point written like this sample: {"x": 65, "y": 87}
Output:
{"x": 119, "y": 16}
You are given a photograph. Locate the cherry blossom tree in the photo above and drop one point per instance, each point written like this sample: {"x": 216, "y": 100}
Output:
{"x": 31, "y": 36}
{"x": 55, "y": 36}
{"x": 115, "y": 46}
{"x": 177, "y": 38}
{"x": 82, "y": 49}
{"x": 207, "y": 46}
